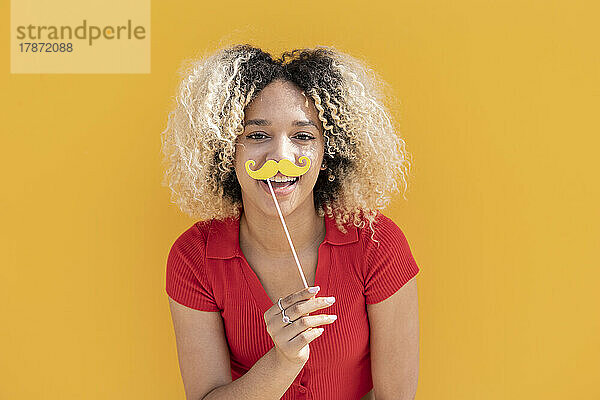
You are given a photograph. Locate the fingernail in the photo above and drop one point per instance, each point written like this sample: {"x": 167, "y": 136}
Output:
{"x": 330, "y": 300}
{"x": 314, "y": 289}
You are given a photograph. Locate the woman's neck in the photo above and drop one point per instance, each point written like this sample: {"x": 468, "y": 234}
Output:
{"x": 265, "y": 234}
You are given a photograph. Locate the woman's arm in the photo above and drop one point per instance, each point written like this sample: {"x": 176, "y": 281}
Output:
{"x": 205, "y": 365}
{"x": 394, "y": 330}
{"x": 269, "y": 378}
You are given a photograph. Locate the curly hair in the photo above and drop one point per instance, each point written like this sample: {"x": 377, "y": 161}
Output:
{"x": 362, "y": 150}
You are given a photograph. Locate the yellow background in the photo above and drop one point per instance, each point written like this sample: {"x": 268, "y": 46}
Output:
{"x": 498, "y": 102}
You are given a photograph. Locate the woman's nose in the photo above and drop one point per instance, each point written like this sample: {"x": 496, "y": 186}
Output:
{"x": 282, "y": 148}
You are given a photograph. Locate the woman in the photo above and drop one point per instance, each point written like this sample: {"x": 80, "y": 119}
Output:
{"x": 232, "y": 279}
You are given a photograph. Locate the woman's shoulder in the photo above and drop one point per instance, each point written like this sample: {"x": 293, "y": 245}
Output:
{"x": 207, "y": 237}
{"x": 196, "y": 233}
{"x": 381, "y": 236}
{"x": 381, "y": 226}
{"x": 388, "y": 260}
{"x": 191, "y": 243}
{"x": 188, "y": 281}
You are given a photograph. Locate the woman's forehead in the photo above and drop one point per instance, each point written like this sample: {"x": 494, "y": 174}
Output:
{"x": 280, "y": 90}
{"x": 281, "y": 100}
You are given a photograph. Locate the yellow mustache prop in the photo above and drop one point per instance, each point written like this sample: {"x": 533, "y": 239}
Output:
{"x": 271, "y": 167}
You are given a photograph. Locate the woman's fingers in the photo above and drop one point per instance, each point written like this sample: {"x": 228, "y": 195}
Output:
{"x": 308, "y": 306}
{"x": 274, "y": 314}
{"x": 303, "y": 339}
{"x": 306, "y": 323}
{"x": 300, "y": 295}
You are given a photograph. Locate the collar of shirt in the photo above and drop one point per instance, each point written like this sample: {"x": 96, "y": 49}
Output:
{"x": 223, "y": 237}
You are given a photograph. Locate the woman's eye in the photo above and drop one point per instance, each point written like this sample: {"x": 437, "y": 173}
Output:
{"x": 256, "y": 135}
{"x": 304, "y": 136}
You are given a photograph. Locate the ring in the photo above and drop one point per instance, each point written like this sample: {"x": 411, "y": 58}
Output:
{"x": 284, "y": 317}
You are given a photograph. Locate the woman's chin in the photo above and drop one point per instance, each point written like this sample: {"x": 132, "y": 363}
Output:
{"x": 286, "y": 207}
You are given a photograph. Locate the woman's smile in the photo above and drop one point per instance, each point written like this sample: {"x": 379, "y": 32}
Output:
{"x": 280, "y": 188}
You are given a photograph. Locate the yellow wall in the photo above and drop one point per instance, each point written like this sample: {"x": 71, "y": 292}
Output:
{"x": 498, "y": 103}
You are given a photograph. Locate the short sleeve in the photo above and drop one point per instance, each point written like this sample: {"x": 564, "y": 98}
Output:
{"x": 186, "y": 279}
{"x": 389, "y": 265}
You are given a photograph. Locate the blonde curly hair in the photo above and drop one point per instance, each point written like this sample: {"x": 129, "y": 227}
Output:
{"x": 362, "y": 151}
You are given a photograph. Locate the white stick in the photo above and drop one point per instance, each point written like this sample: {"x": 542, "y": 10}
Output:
{"x": 287, "y": 234}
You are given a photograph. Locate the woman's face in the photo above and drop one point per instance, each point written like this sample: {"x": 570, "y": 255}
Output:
{"x": 281, "y": 122}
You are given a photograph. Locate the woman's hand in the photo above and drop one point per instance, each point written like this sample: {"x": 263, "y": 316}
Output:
{"x": 291, "y": 340}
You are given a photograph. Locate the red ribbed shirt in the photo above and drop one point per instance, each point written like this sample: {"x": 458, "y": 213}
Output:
{"x": 206, "y": 270}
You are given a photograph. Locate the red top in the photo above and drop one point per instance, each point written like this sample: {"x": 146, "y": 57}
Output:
{"x": 207, "y": 271}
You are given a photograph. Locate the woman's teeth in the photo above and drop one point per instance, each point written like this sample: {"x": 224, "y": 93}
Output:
{"x": 280, "y": 182}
